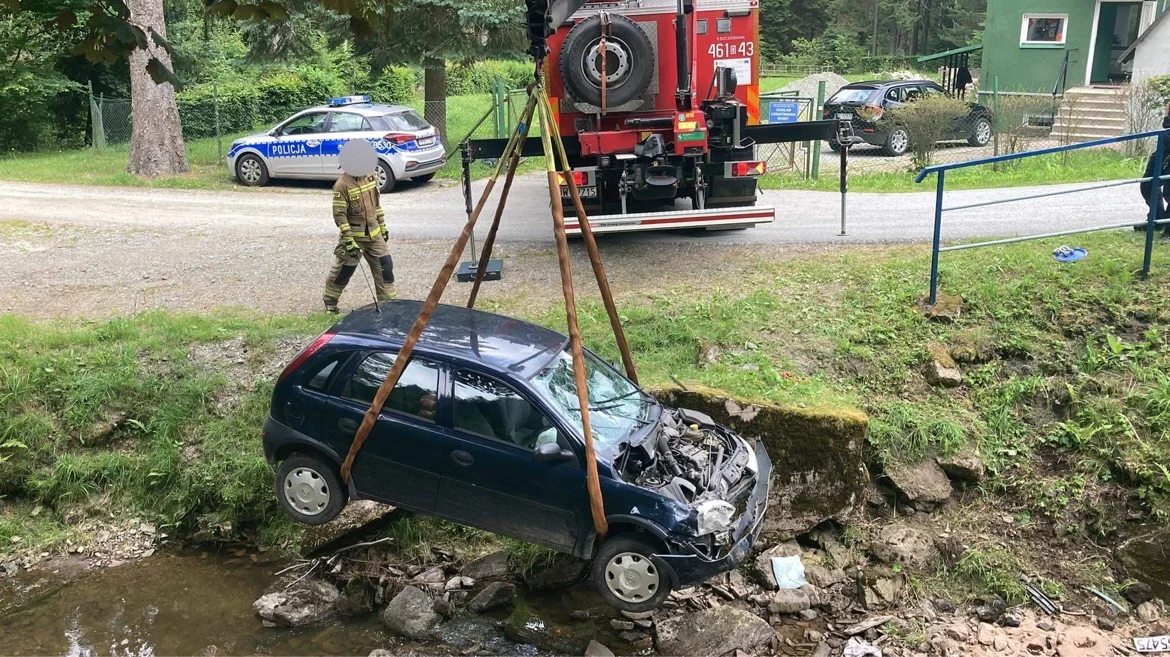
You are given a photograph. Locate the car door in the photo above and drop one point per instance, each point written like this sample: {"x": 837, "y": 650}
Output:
{"x": 491, "y": 478}
{"x": 400, "y": 461}
{"x": 295, "y": 151}
{"x": 343, "y": 126}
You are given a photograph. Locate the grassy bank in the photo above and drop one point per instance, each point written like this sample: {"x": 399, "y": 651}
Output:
{"x": 1066, "y": 395}
{"x": 1074, "y": 167}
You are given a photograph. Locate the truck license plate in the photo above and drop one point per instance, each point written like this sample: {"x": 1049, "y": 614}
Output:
{"x": 1152, "y": 644}
{"x": 585, "y": 192}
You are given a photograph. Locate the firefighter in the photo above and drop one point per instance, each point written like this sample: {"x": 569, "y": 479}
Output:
{"x": 358, "y": 213}
{"x": 1162, "y": 209}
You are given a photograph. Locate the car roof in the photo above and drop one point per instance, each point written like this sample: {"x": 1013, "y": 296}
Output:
{"x": 365, "y": 109}
{"x": 502, "y": 343}
{"x": 878, "y": 84}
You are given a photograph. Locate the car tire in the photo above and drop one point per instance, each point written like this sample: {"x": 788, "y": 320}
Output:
{"x": 834, "y": 146}
{"x": 425, "y": 178}
{"x": 310, "y": 489}
{"x": 627, "y": 576}
{"x": 897, "y": 143}
{"x": 633, "y": 56}
{"x": 386, "y": 179}
{"x": 981, "y": 133}
{"x": 251, "y": 170}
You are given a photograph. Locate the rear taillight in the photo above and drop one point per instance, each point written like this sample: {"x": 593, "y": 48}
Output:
{"x": 308, "y": 352}
{"x": 398, "y": 138}
{"x": 748, "y": 169}
{"x": 870, "y": 113}
{"x": 827, "y": 114}
{"x": 579, "y": 178}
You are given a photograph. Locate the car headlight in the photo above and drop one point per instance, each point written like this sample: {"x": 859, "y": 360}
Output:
{"x": 714, "y": 516}
{"x": 753, "y": 464}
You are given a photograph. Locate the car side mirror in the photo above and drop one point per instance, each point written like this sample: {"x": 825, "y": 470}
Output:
{"x": 551, "y": 453}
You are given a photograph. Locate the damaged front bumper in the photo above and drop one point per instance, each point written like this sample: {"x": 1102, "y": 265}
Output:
{"x": 689, "y": 569}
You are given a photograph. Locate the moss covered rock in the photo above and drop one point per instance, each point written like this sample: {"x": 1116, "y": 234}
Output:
{"x": 818, "y": 471}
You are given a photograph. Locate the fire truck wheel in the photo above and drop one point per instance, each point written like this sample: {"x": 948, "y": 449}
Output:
{"x": 628, "y": 61}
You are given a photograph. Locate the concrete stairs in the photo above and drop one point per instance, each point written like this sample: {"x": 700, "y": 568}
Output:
{"x": 1089, "y": 113}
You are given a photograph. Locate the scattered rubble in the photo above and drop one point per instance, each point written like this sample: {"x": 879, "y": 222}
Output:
{"x": 924, "y": 485}
{"x": 902, "y": 544}
{"x": 713, "y": 632}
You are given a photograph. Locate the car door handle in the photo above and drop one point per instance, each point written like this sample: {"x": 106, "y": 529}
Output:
{"x": 461, "y": 457}
{"x": 347, "y": 425}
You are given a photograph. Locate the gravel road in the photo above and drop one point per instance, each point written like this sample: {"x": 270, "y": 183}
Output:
{"x": 95, "y": 251}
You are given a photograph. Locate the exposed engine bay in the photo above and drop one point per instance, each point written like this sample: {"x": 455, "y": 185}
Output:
{"x": 695, "y": 461}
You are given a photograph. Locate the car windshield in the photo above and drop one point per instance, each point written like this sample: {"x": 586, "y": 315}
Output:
{"x": 848, "y": 95}
{"x": 405, "y": 121}
{"x": 617, "y": 408}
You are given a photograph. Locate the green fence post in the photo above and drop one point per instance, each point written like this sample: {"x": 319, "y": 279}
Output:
{"x": 218, "y": 133}
{"x": 816, "y": 145}
{"x": 500, "y": 97}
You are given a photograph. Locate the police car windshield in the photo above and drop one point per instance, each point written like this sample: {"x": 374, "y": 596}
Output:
{"x": 402, "y": 121}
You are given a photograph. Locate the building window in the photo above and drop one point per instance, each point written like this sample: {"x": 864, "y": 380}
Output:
{"x": 1044, "y": 30}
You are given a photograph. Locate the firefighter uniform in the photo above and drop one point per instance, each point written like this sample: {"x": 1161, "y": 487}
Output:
{"x": 357, "y": 211}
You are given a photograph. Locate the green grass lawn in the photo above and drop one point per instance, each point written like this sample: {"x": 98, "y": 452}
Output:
{"x": 1074, "y": 167}
{"x": 1067, "y": 362}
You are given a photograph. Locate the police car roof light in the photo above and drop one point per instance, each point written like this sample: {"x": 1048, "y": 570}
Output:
{"x": 348, "y": 100}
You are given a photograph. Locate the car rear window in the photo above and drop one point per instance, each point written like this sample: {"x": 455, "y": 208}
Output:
{"x": 404, "y": 121}
{"x": 847, "y": 95}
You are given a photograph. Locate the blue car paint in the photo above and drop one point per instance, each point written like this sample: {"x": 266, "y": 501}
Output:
{"x": 395, "y": 465}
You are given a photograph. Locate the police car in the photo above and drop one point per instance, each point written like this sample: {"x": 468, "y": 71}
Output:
{"x": 307, "y": 144}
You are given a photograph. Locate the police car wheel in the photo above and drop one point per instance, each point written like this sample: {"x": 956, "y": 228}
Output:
{"x": 251, "y": 172}
{"x": 385, "y": 176}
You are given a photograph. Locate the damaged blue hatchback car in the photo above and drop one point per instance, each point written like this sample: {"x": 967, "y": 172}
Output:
{"x": 484, "y": 429}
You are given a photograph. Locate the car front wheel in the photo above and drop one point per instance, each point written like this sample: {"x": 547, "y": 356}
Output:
{"x": 981, "y": 134}
{"x": 897, "y": 143}
{"x": 385, "y": 176}
{"x": 310, "y": 489}
{"x": 626, "y": 575}
{"x": 251, "y": 171}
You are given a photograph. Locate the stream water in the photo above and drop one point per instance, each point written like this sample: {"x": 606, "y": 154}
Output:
{"x": 201, "y": 604}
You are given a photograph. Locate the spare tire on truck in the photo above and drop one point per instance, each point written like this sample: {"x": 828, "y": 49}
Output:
{"x": 628, "y": 62}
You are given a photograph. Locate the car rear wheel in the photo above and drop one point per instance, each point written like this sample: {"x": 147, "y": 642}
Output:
{"x": 251, "y": 171}
{"x": 310, "y": 489}
{"x": 385, "y": 174}
{"x": 897, "y": 143}
{"x": 425, "y": 178}
{"x": 982, "y": 132}
{"x": 627, "y": 576}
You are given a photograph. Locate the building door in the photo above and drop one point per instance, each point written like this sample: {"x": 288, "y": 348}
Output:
{"x": 1118, "y": 26}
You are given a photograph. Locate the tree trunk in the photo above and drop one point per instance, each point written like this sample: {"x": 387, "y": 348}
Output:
{"x": 435, "y": 95}
{"x": 156, "y": 137}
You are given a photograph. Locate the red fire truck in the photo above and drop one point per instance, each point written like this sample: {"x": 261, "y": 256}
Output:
{"x": 658, "y": 105}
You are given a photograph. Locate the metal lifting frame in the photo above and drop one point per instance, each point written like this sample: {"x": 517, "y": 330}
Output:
{"x": 1152, "y": 222}
{"x": 554, "y": 152}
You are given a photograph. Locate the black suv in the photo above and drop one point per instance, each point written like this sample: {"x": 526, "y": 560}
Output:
{"x": 484, "y": 429}
{"x": 869, "y": 101}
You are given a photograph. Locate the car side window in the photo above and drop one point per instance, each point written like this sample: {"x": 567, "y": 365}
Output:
{"x": 347, "y": 122}
{"x": 306, "y": 124}
{"x": 486, "y": 407}
{"x": 417, "y": 392}
{"x": 912, "y": 94}
{"x": 320, "y": 379}
{"x": 894, "y": 95}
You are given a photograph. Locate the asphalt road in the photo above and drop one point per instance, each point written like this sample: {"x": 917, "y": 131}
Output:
{"x": 436, "y": 212}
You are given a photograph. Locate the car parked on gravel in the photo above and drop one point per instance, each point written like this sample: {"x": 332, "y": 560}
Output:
{"x": 868, "y": 102}
{"x": 484, "y": 429}
{"x": 307, "y": 144}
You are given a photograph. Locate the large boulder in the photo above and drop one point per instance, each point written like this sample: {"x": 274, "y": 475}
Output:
{"x": 489, "y": 566}
{"x": 411, "y": 614}
{"x": 965, "y": 466}
{"x": 715, "y": 631}
{"x": 924, "y": 484}
{"x": 818, "y": 468}
{"x": 900, "y": 544}
{"x": 304, "y": 602}
{"x": 1147, "y": 560}
{"x": 556, "y": 573}
{"x": 495, "y": 595}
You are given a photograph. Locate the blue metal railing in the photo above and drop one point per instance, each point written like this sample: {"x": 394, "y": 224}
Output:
{"x": 1155, "y": 200}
